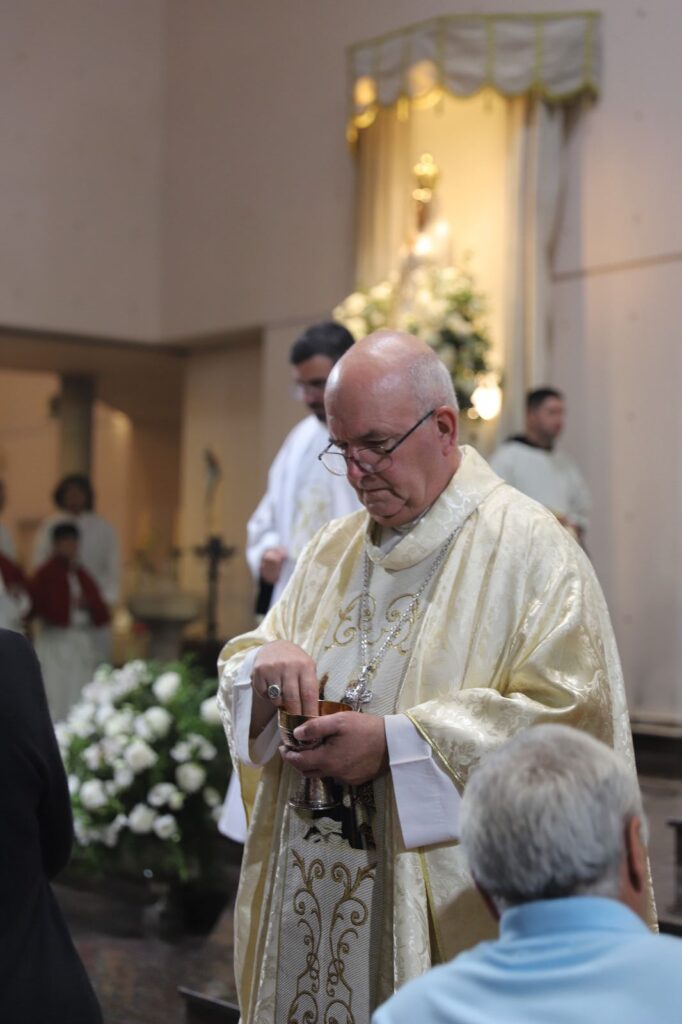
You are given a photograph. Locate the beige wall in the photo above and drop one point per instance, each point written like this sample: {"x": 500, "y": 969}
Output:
{"x": 81, "y": 110}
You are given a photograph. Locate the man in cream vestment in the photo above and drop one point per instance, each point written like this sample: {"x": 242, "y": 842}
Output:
{"x": 454, "y": 614}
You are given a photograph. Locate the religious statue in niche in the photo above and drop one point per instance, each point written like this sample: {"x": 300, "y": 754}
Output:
{"x": 431, "y": 297}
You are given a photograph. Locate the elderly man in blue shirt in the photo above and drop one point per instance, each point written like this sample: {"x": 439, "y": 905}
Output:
{"x": 553, "y": 828}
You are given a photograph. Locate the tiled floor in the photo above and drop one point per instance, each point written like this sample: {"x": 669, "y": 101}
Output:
{"x": 137, "y": 979}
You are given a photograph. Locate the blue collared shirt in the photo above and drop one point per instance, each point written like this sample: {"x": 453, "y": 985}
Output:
{"x": 579, "y": 960}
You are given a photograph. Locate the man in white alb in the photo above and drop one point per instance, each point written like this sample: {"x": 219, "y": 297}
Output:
{"x": 301, "y": 497}
{"x": 531, "y": 463}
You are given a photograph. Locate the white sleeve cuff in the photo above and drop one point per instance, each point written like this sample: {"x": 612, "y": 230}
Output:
{"x": 260, "y": 749}
{"x": 426, "y": 797}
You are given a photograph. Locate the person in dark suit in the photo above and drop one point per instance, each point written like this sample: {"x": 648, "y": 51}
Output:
{"x": 42, "y": 980}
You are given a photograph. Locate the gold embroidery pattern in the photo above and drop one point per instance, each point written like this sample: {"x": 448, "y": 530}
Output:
{"x": 393, "y": 613}
{"x": 303, "y": 1009}
{"x": 346, "y": 631}
{"x": 349, "y": 915}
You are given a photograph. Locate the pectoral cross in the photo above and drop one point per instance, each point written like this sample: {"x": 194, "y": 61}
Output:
{"x": 357, "y": 692}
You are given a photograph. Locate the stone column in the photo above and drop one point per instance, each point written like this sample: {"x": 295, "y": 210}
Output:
{"x": 75, "y": 412}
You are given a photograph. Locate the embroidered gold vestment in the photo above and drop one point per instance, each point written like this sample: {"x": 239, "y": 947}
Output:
{"x": 513, "y": 630}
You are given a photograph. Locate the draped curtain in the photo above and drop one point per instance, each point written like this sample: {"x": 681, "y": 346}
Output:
{"x": 494, "y": 100}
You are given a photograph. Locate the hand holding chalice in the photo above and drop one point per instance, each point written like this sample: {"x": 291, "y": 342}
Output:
{"x": 312, "y": 794}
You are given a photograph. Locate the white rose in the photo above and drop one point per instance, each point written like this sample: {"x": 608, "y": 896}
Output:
{"x": 142, "y": 728}
{"x": 119, "y": 722}
{"x": 139, "y": 755}
{"x": 381, "y": 292}
{"x": 141, "y": 819}
{"x": 209, "y": 711}
{"x": 92, "y": 756}
{"x": 74, "y": 784}
{"x": 111, "y": 747}
{"x": 211, "y": 796}
{"x": 166, "y": 686}
{"x": 111, "y": 831}
{"x": 190, "y": 777}
{"x": 103, "y": 713}
{"x": 84, "y": 711}
{"x": 181, "y": 751}
{"x": 355, "y": 304}
{"x": 376, "y": 319}
{"x": 176, "y": 800}
{"x": 161, "y": 793}
{"x": 165, "y": 826}
{"x": 93, "y": 794}
{"x": 159, "y": 720}
{"x": 123, "y": 776}
{"x": 207, "y": 751}
{"x": 83, "y": 728}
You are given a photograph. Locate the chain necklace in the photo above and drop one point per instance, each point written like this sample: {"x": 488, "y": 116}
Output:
{"x": 358, "y": 692}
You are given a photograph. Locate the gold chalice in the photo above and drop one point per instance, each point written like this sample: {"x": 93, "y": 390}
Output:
{"x": 312, "y": 794}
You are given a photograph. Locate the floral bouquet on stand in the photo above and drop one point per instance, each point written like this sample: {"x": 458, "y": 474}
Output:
{"x": 442, "y": 306}
{"x": 147, "y": 763}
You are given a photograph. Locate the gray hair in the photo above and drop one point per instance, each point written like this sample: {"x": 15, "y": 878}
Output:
{"x": 431, "y": 383}
{"x": 544, "y": 816}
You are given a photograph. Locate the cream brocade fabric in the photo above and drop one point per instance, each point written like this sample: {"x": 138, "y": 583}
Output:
{"x": 514, "y": 630}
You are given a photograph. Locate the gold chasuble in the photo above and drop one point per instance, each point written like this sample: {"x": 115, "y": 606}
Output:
{"x": 511, "y": 630}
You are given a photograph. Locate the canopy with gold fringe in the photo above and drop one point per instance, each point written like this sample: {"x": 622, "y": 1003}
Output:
{"x": 556, "y": 57}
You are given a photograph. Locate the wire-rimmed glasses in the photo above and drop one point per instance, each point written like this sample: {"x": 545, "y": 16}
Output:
{"x": 369, "y": 458}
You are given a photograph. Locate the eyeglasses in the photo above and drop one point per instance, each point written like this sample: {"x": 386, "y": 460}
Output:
{"x": 371, "y": 459}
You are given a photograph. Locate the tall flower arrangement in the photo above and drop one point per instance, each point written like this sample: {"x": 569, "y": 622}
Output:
{"x": 444, "y": 309}
{"x": 147, "y": 764}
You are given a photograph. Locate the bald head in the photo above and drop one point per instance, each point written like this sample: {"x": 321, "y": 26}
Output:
{"x": 390, "y": 393}
{"x": 394, "y": 366}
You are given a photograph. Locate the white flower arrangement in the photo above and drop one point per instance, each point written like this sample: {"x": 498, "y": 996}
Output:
{"x": 442, "y": 307}
{"x": 147, "y": 766}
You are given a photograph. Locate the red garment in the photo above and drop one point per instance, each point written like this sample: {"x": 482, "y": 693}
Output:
{"x": 51, "y": 594}
{"x": 11, "y": 574}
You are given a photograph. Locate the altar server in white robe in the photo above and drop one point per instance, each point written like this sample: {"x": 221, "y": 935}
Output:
{"x": 301, "y": 497}
{"x": 99, "y": 550}
{"x": 531, "y": 462}
{"x": 451, "y": 612}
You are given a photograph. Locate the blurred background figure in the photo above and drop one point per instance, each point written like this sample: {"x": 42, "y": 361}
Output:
{"x": 98, "y": 549}
{"x": 531, "y": 463}
{"x": 70, "y": 609}
{"x": 41, "y": 976}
